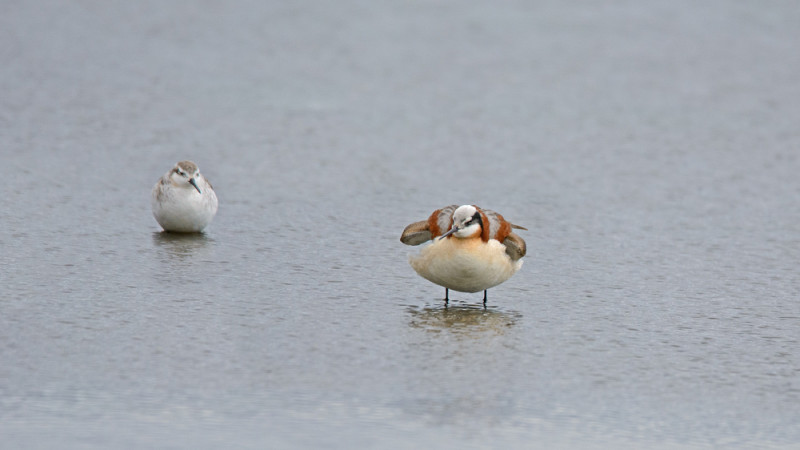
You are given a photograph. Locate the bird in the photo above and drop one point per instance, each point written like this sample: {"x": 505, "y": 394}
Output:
{"x": 473, "y": 249}
{"x": 183, "y": 201}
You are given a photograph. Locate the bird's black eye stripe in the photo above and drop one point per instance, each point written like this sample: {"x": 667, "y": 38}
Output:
{"x": 476, "y": 218}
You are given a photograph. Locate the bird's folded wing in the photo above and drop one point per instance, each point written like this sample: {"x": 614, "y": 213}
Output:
{"x": 416, "y": 233}
{"x": 515, "y": 246}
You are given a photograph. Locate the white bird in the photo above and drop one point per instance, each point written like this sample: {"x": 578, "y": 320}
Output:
{"x": 183, "y": 200}
{"x": 478, "y": 251}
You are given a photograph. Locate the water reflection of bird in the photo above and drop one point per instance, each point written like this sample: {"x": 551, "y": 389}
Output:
{"x": 479, "y": 250}
{"x": 183, "y": 200}
{"x": 181, "y": 245}
{"x": 462, "y": 319}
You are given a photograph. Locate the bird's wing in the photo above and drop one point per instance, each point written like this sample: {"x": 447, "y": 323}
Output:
{"x": 437, "y": 224}
{"x": 515, "y": 246}
{"x": 441, "y": 220}
{"x": 416, "y": 233}
{"x": 497, "y": 224}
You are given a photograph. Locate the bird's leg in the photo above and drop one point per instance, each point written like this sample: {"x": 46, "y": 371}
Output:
{"x": 484, "y": 297}
{"x": 446, "y": 296}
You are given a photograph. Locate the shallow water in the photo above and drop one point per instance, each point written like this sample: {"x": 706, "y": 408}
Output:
{"x": 651, "y": 150}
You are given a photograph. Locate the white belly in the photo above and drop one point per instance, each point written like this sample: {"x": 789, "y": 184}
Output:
{"x": 465, "y": 265}
{"x": 185, "y": 211}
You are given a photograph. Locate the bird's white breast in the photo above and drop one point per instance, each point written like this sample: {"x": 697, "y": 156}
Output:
{"x": 183, "y": 209}
{"x": 465, "y": 265}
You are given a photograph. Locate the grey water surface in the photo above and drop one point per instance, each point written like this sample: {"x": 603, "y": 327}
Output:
{"x": 652, "y": 149}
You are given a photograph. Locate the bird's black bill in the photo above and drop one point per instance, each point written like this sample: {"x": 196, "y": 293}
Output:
{"x": 194, "y": 183}
{"x": 452, "y": 230}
